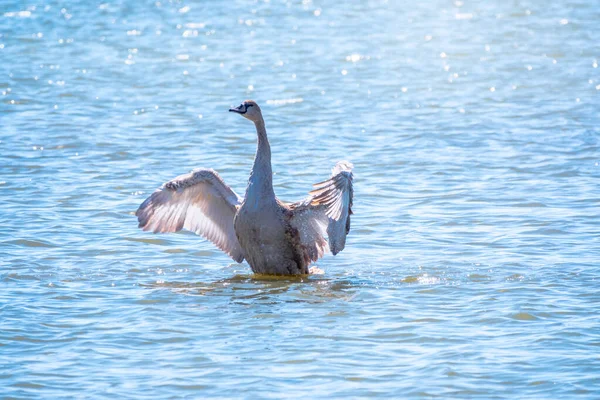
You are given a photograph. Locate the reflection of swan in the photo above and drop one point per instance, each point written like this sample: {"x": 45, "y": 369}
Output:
{"x": 274, "y": 237}
{"x": 266, "y": 289}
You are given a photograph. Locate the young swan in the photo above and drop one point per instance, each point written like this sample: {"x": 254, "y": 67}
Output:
{"x": 249, "y": 109}
{"x": 274, "y": 237}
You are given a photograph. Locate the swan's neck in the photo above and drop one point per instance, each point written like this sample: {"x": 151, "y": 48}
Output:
{"x": 260, "y": 184}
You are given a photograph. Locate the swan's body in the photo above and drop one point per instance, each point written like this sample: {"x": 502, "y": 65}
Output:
{"x": 274, "y": 237}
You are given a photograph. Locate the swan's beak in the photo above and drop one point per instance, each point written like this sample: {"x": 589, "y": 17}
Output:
{"x": 241, "y": 109}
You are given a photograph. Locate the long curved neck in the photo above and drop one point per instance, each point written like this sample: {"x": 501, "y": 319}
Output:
{"x": 260, "y": 184}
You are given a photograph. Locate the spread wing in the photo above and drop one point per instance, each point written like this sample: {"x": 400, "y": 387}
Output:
{"x": 325, "y": 213}
{"x": 199, "y": 202}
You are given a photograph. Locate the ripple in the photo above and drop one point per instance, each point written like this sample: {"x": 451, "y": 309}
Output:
{"x": 161, "y": 242}
{"x": 31, "y": 243}
{"x": 523, "y": 316}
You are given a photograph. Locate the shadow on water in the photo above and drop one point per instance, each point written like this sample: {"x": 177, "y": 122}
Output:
{"x": 265, "y": 288}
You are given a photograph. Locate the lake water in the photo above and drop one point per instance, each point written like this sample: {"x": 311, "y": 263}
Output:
{"x": 473, "y": 266}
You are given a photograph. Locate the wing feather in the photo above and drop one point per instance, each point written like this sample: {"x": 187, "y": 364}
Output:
{"x": 199, "y": 202}
{"x": 326, "y": 213}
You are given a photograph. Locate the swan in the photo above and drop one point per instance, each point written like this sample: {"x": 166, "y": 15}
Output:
{"x": 274, "y": 237}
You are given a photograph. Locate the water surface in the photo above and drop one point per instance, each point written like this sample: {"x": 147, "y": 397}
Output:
{"x": 472, "y": 268}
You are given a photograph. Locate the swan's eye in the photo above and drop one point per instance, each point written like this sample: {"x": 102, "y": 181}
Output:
{"x": 249, "y": 105}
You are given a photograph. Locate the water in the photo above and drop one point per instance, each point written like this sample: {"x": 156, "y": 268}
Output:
{"x": 472, "y": 269}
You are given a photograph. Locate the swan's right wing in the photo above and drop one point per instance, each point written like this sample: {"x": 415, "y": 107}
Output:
{"x": 335, "y": 196}
{"x": 199, "y": 202}
{"x": 325, "y": 213}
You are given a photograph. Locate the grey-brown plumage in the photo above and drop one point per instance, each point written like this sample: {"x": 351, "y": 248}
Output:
{"x": 274, "y": 237}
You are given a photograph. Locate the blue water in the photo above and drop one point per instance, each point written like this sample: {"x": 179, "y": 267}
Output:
{"x": 473, "y": 264}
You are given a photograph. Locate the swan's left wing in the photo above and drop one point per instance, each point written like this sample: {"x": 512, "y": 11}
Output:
{"x": 325, "y": 213}
{"x": 199, "y": 202}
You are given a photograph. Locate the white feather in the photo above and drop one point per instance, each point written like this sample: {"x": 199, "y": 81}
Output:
{"x": 199, "y": 202}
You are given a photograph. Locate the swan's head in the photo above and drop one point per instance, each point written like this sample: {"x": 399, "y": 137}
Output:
{"x": 248, "y": 109}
